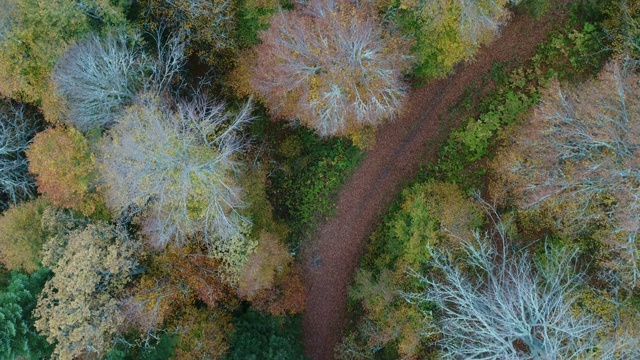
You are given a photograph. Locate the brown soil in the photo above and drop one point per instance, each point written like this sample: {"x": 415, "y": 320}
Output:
{"x": 332, "y": 255}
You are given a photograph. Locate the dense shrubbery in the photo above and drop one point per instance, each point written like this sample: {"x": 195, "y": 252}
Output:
{"x": 258, "y": 336}
{"x": 307, "y": 172}
{"x": 568, "y": 54}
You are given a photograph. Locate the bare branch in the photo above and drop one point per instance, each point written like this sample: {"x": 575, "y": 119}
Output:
{"x": 16, "y": 132}
{"x": 499, "y": 308}
{"x": 99, "y": 77}
{"x": 578, "y": 156}
{"x": 330, "y": 66}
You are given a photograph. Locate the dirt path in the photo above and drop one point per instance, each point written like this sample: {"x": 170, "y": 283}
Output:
{"x": 413, "y": 139}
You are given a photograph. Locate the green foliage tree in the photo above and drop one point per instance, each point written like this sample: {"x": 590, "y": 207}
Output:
{"x": 18, "y": 337}
{"x": 78, "y": 309}
{"x": 259, "y": 337}
{"x": 179, "y": 166}
{"x": 22, "y": 234}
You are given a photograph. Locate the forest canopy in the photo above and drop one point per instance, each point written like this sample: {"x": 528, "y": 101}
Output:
{"x": 170, "y": 173}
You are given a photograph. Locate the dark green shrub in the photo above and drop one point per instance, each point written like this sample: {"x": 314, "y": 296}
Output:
{"x": 18, "y": 337}
{"x": 263, "y": 337}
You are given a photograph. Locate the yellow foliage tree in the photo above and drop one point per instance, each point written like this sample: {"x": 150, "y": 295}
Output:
{"x": 22, "y": 235}
{"x": 448, "y": 31}
{"x": 432, "y": 215}
{"x": 34, "y": 33}
{"x": 78, "y": 308}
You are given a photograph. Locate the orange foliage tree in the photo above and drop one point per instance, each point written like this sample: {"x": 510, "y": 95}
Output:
{"x": 270, "y": 280}
{"x": 175, "y": 280}
{"x": 331, "y": 65}
{"x": 286, "y": 297}
{"x": 64, "y": 168}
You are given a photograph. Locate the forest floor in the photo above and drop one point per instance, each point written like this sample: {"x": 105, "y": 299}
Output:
{"x": 332, "y": 255}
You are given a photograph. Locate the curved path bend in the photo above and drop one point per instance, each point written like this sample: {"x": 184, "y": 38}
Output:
{"x": 333, "y": 254}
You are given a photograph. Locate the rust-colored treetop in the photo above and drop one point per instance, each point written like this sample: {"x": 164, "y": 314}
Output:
{"x": 330, "y": 65}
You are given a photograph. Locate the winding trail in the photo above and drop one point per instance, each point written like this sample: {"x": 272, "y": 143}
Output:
{"x": 332, "y": 255}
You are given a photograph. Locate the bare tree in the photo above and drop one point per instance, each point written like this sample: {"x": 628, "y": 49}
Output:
{"x": 168, "y": 64}
{"x": 98, "y": 77}
{"x": 331, "y": 66}
{"x": 492, "y": 305}
{"x": 179, "y": 166}
{"x": 16, "y": 132}
{"x": 578, "y": 156}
